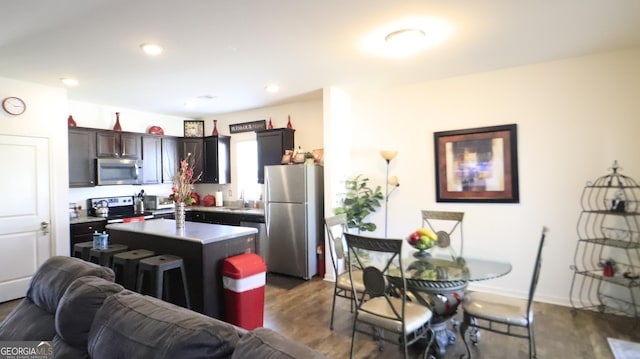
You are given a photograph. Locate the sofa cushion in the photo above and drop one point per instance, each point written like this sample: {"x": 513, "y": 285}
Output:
{"x": 63, "y": 350}
{"x": 78, "y": 307}
{"x": 27, "y": 321}
{"x": 265, "y": 343}
{"x": 33, "y": 318}
{"x": 129, "y": 325}
{"x": 56, "y": 274}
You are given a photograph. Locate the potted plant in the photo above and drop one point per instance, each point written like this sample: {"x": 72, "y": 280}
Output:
{"x": 308, "y": 158}
{"x": 359, "y": 202}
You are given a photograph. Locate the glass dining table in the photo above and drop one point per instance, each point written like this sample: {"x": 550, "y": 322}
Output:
{"x": 439, "y": 282}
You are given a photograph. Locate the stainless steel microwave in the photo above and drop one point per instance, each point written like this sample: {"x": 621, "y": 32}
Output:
{"x": 114, "y": 171}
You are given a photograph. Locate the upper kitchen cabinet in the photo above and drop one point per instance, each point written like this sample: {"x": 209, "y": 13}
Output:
{"x": 152, "y": 159}
{"x": 82, "y": 149}
{"x": 195, "y": 147}
{"x": 114, "y": 144}
{"x": 169, "y": 158}
{"x": 217, "y": 156}
{"x": 271, "y": 147}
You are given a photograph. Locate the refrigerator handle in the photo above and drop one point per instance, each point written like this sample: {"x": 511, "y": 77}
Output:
{"x": 266, "y": 203}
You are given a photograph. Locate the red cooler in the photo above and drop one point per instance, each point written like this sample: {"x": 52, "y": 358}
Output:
{"x": 244, "y": 277}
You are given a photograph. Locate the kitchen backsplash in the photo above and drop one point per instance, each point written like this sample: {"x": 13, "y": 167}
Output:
{"x": 81, "y": 195}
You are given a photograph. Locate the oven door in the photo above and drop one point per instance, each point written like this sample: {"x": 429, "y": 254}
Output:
{"x": 112, "y": 171}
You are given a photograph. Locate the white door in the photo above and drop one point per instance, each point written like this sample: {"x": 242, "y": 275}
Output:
{"x": 24, "y": 214}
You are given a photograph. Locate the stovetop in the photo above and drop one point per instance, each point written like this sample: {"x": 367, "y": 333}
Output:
{"x": 120, "y": 208}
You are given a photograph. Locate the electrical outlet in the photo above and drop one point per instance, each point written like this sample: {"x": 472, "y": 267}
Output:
{"x": 230, "y": 193}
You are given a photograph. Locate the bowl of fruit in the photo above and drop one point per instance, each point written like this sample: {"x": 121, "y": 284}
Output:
{"x": 422, "y": 239}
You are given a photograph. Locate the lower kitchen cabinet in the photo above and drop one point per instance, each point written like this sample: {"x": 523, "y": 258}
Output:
{"x": 170, "y": 215}
{"x": 83, "y": 232}
{"x": 229, "y": 219}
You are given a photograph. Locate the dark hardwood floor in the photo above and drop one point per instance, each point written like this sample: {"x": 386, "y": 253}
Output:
{"x": 303, "y": 313}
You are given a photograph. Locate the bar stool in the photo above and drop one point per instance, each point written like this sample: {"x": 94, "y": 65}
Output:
{"x": 104, "y": 257}
{"x": 81, "y": 250}
{"x": 157, "y": 267}
{"x": 125, "y": 266}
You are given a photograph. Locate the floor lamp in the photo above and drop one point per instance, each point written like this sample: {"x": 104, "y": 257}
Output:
{"x": 393, "y": 181}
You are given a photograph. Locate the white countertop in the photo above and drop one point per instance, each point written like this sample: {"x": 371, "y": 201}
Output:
{"x": 193, "y": 231}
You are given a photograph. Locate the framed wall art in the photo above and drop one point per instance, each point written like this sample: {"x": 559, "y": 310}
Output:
{"x": 193, "y": 128}
{"x": 477, "y": 165}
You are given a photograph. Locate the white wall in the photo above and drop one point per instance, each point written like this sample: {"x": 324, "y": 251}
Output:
{"x": 574, "y": 117}
{"x": 45, "y": 117}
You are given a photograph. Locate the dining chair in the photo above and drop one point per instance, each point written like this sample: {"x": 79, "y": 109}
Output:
{"x": 501, "y": 314}
{"x": 387, "y": 309}
{"x": 436, "y": 220}
{"x": 336, "y": 226}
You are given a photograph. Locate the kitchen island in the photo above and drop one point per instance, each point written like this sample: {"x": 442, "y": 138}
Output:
{"x": 203, "y": 248}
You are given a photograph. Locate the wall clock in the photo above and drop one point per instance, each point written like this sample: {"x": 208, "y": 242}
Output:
{"x": 14, "y": 105}
{"x": 193, "y": 128}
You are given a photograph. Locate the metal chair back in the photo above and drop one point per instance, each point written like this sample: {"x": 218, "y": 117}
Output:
{"x": 435, "y": 219}
{"x": 501, "y": 314}
{"x": 387, "y": 308}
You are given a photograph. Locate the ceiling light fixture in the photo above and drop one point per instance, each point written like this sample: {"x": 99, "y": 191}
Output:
{"x": 272, "y": 88}
{"x": 151, "y": 49}
{"x": 405, "y": 37}
{"x": 69, "y": 81}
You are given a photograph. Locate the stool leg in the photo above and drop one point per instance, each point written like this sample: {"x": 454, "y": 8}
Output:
{"x": 184, "y": 286}
{"x": 129, "y": 274}
{"x": 114, "y": 267}
{"x": 159, "y": 283}
{"x": 139, "y": 281}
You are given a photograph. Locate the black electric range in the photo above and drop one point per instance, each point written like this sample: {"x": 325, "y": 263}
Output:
{"x": 121, "y": 209}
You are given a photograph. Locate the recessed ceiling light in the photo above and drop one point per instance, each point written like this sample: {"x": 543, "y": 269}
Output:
{"x": 69, "y": 81}
{"x": 272, "y": 88}
{"x": 151, "y": 49}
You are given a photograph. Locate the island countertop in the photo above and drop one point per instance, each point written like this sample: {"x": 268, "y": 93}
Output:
{"x": 204, "y": 233}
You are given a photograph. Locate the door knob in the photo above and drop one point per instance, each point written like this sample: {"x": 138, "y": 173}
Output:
{"x": 44, "y": 227}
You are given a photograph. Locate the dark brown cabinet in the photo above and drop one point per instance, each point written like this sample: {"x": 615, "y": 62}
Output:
{"x": 229, "y": 219}
{"x": 217, "y": 156}
{"x": 83, "y": 232}
{"x": 209, "y": 156}
{"x": 271, "y": 147}
{"x": 194, "y": 147}
{"x": 169, "y": 158}
{"x": 82, "y": 149}
{"x": 114, "y": 144}
{"x": 152, "y": 159}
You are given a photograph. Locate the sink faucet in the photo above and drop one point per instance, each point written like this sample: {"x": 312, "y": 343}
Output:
{"x": 245, "y": 203}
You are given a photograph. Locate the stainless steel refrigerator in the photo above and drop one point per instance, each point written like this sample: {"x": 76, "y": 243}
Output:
{"x": 293, "y": 214}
